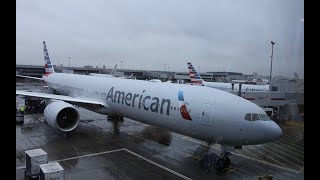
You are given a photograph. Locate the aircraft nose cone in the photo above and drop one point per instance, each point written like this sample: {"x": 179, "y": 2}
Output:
{"x": 276, "y": 132}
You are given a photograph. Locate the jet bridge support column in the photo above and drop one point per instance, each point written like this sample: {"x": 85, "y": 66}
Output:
{"x": 239, "y": 92}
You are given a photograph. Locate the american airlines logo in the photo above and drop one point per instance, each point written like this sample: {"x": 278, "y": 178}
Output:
{"x": 129, "y": 99}
{"x": 183, "y": 106}
{"x": 148, "y": 103}
{"x": 252, "y": 89}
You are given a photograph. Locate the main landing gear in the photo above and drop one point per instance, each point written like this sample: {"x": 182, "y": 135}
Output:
{"x": 207, "y": 160}
{"x": 115, "y": 122}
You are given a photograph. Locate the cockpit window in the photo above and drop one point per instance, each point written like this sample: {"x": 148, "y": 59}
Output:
{"x": 248, "y": 117}
{"x": 264, "y": 117}
{"x": 256, "y": 117}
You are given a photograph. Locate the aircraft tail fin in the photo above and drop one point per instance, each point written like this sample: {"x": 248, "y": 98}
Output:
{"x": 114, "y": 70}
{"x": 194, "y": 75}
{"x": 48, "y": 63}
{"x": 256, "y": 75}
{"x": 296, "y": 75}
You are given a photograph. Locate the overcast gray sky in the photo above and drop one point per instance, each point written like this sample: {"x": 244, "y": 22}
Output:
{"x": 215, "y": 35}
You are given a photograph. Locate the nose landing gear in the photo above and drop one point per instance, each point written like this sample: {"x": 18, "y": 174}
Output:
{"x": 218, "y": 162}
{"x": 207, "y": 160}
{"x": 225, "y": 158}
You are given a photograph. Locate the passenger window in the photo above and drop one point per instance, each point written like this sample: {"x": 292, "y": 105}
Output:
{"x": 248, "y": 117}
{"x": 255, "y": 117}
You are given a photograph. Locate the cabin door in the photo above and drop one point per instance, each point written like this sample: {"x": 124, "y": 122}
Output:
{"x": 206, "y": 114}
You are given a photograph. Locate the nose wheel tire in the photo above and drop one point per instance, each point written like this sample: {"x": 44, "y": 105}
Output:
{"x": 220, "y": 164}
{"x": 226, "y": 162}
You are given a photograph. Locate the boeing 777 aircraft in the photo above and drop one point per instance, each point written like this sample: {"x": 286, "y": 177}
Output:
{"x": 207, "y": 114}
{"x": 229, "y": 87}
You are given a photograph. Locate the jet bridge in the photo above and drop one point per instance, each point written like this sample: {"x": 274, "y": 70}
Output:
{"x": 266, "y": 98}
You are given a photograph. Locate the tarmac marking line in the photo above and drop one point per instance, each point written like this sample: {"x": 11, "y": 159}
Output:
{"x": 152, "y": 162}
{"x": 301, "y": 169}
{"x": 156, "y": 164}
{"x": 229, "y": 170}
{"x": 268, "y": 156}
{"x": 139, "y": 136}
{"x": 251, "y": 153}
{"x": 244, "y": 156}
{"x": 290, "y": 137}
{"x": 89, "y": 155}
{"x": 276, "y": 155}
{"x": 77, "y": 157}
{"x": 295, "y": 124}
{"x": 293, "y": 131}
{"x": 288, "y": 151}
{"x": 129, "y": 133}
{"x": 122, "y": 149}
{"x": 290, "y": 146}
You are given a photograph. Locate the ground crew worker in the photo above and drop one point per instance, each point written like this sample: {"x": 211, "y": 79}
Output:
{"x": 22, "y": 108}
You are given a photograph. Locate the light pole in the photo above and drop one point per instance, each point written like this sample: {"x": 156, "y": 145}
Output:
{"x": 272, "y": 43}
{"x": 121, "y": 63}
{"x": 69, "y": 61}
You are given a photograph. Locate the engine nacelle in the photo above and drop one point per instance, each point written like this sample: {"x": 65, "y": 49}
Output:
{"x": 61, "y": 115}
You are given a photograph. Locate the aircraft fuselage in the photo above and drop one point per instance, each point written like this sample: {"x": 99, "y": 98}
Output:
{"x": 204, "y": 113}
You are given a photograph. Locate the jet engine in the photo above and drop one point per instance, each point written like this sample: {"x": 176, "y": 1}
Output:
{"x": 61, "y": 115}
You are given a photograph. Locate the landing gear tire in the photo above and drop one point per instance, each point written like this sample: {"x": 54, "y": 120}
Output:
{"x": 201, "y": 163}
{"x": 226, "y": 162}
{"x": 220, "y": 164}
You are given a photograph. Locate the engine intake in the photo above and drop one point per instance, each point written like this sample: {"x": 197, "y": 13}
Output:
{"x": 61, "y": 115}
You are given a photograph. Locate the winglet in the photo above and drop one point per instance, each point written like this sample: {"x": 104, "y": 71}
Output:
{"x": 194, "y": 75}
{"x": 48, "y": 64}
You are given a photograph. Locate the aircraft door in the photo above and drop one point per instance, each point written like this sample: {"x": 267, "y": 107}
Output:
{"x": 206, "y": 114}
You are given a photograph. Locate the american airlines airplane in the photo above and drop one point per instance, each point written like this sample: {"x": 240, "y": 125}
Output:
{"x": 207, "y": 114}
{"x": 229, "y": 87}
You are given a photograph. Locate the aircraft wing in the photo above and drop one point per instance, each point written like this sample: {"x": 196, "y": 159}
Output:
{"x": 71, "y": 100}
{"x": 30, "y": 77}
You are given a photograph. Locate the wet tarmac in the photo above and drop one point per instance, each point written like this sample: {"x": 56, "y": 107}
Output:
{"x": 141, "y": 151}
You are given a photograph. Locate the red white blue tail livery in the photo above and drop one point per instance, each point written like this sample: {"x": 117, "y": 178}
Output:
{"x": 194, "y": 75}
{"x": 48, "y": 64}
